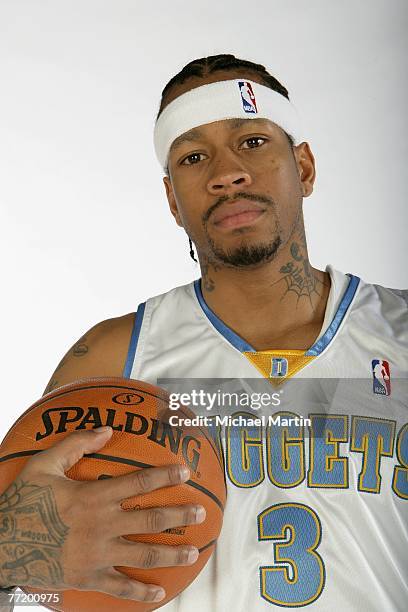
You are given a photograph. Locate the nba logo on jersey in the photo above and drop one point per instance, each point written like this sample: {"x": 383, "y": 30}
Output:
{"x": 247, "y": 97}
{"x": 279, "y": 367}
{"x": 381, "y": 376}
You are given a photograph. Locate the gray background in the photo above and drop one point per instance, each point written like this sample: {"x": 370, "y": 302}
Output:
{"x": 85, "y": 230}
{"x": 86, "y": 233}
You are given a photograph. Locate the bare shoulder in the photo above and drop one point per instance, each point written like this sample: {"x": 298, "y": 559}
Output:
{"x": 101, "y": 351}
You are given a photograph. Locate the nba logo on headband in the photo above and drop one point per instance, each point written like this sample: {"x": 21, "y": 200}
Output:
{"x": 218, "y": 101}
{"x": 247, "y": 97}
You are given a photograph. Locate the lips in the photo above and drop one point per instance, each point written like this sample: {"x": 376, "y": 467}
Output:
{"x": 237, "y": 214}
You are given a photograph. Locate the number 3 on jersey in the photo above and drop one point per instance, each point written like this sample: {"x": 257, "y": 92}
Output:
{"x": 298, "y": 574}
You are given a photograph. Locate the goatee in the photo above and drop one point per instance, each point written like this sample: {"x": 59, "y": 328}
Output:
{"x": 247, "y": 255}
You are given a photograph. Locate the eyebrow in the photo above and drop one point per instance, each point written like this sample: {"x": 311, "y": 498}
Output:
{"x": 190, "y": 136}
{"x": 196, "y": 134}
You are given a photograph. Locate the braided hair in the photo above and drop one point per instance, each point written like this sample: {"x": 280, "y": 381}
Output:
{"x": 208, "y": 65}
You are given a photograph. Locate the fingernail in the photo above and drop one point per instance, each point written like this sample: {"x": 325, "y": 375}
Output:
{"x": 200, "y": 514}
{"x": 158, "y": 595}
{"x": 192, "y": 555}
{"x": 101, "y": 429}
{"x": 184, "y": 472}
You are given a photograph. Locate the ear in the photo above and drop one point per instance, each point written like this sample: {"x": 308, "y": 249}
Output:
{"x": 306, "y": 167}
{"x": 172, "y": 200}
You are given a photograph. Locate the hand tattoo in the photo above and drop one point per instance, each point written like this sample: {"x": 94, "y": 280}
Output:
{"x": 31, "y": 536}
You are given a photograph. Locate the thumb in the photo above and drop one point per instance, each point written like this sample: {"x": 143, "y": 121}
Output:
{"x": 64, "y": 454}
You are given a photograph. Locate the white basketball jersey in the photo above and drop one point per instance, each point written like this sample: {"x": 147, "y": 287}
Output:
{"x": 316, "y": 515}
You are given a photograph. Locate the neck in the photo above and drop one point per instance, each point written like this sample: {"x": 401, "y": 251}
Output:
{"x": 277, "y": 305}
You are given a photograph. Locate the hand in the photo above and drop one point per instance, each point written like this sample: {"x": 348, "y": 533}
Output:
{"x": 86, "y": 521}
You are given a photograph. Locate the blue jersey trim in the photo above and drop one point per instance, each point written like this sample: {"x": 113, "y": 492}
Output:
{"x": 137, "y": 324}
{"x": 219, "y": 325}
{"x": 319, "y": 346}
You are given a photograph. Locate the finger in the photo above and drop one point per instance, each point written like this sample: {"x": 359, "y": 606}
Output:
{"x": 64, "y": 454}
{"x": 147, "y": 556}
{"x": 155, "y": 520}
{"x": 139, "y": 482}
{"x": 117, "y": 584}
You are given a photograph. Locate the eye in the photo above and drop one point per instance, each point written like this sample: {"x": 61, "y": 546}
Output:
{"x": 253, "y": 142}
{"x": 191, "y": 159}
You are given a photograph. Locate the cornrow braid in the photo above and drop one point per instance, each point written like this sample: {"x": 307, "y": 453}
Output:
{"x": 208, "y": 65}
{"x": 192, "y": 254}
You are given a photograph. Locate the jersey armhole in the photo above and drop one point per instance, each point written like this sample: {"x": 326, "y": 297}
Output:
{"x": 402, "y": 293}
{"x": 134, "y": 338}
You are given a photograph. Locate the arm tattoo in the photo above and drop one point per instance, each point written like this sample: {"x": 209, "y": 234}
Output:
{"x": 31, "y": 536}
{"x": 80, "y": 348}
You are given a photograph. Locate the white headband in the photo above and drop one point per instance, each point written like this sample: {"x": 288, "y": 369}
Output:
{"x": 236, "y": 98}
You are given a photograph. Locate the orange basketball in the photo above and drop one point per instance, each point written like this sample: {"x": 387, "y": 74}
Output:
{"x": 142, "y": 437}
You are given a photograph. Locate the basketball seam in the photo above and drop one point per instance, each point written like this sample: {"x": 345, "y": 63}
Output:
{"x": 112, "y": 386}
{"x": 115, "y": 459}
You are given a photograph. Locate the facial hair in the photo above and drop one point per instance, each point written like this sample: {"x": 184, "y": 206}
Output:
{"x": 245, "y": 255}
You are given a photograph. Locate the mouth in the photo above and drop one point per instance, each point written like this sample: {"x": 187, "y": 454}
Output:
{"x": 237, "y": 214}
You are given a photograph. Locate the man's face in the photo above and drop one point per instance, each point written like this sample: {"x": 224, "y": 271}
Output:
{"x": 236, "y": 186}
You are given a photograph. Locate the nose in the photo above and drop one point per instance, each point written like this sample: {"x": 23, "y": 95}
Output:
{"x": 225, "y": 182}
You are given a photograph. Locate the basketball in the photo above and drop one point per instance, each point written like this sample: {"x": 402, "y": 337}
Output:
{"x": 142, "y": 437}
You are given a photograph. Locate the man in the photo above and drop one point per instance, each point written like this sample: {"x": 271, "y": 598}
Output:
{"x": 335, "y": 539}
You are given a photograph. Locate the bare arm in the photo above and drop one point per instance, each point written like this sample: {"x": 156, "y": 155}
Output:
{"x": 83, "y": 512}
{"x": 101, "y": 351}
